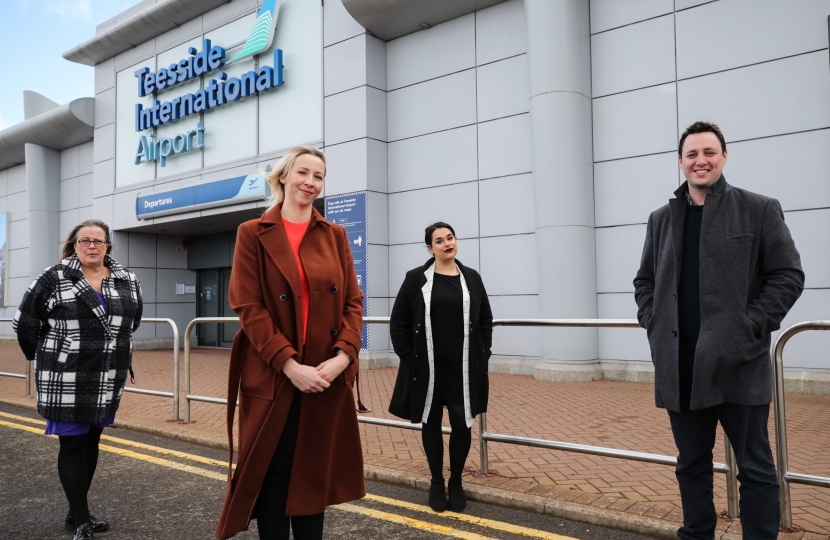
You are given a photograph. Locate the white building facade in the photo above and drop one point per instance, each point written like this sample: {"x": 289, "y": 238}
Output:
{"x": 544, "y": 131}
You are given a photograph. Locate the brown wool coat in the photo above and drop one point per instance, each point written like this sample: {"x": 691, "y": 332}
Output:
{"x": 265, "y": 292}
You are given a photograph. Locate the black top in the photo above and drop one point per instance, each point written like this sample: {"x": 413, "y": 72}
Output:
{"x": 688, "y": 295}
{"x": 447, "y": 317}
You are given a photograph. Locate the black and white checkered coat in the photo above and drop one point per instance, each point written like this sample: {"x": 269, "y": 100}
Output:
{"x": 82, "y": 355}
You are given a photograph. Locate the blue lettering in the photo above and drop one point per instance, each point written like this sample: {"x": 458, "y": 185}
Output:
{"x": 216, "y": 57}
{"x": 166, "y": 110}
{"x": 142, "y": 151}
{"x": 265, "y": 77}
{"x": 248, "y": 84}
{"x": 232, "y": 89}
{"x": 278, "y": 67}
{"x": 200, "y": 103}
{"x": 141, "y": 73}
{"x": 161, "y": 79}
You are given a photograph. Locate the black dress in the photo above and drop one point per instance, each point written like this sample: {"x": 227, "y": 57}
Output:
{"x": 447, "y": 318}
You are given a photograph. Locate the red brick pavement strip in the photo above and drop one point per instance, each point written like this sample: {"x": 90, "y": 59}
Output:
{"x": 603, "y": 413}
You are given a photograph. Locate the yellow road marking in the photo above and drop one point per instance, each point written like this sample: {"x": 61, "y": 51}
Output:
{"x": 23, "y": 418}
{"x": 164, "y": 462}
{"x": 409, "y": 522}
{"x": 125, "y": 442}
{"x": 475, "y": 520}
{"x": 24, "y": 428}
{"x": 377, "y": 514}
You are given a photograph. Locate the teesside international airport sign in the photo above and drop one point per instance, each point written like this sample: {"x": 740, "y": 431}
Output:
{"x": 217, "y": 92}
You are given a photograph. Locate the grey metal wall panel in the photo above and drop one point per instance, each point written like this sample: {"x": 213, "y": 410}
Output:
{"x": 621, "y": 343}
{"x": 338, "y": 24}
{"x": 773, "y": 98}
{"x": 443, "y": 49}
{"x": 19, "y": 263}
{"x": 794, "y": 181}
{"x": 17, "y": 179}
{"x": 618, "y": 257}
{"x": 166, "y": 280}
{"x": 809, "y": 350}
{"x": 504, "y": 147}
{"x": 344, "y": 65}
{"x": 147, "y": 278}
{"x": 501, "y": 32}
{"x": 442, "y": 158}
{"x": 626, "y": 191}
{"x": 69, "y": 193}
{"x": 503, "y": 205}
{"x": 743, "y": 32}
{"x": 519, "y": 275}
{"x": 410, "y": 212}
{"x": 142, "y": 250}
{"x": 810, "y": 230}
{"x": 436, "y": 105}
{"x": 378, "y": 257}
{"x": 171, "y": 251}
{"x": 607, "y": 14}
{"x": 635, "y": 123}
{"x": 515, "y": 341}
{"x": 85, "y": 159}
{"x": 503, "y": 88}
{"x": 68, "y": 220}
{"x": 70, "y": 162}
{"x": 18, "y": 205}
{"x": 633, "y": 56}
{"x": 209, "y": 251}
{"x": 181, "y": 313}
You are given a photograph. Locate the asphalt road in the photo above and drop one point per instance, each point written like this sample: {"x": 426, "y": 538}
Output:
{"x": 157, "y": 488}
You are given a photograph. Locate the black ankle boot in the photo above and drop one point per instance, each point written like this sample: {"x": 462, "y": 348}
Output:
{"x": 458, "y": 501}
{"x": 84, "y": 532}
{"x": 437, "y": 496}
{"x": 98, "y": 525}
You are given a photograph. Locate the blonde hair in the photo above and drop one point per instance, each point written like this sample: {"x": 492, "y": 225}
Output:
{"x": 283, "y": 167}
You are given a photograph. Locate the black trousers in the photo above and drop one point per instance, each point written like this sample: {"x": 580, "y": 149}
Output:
{"x": 433, "y": 440}
{"x": 746, "y": 427}
{"x": 272, "y": 522}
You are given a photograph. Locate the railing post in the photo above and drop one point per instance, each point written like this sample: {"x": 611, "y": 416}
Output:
{"x": 482, "y": 443}
{"x": 28, "y": 377}
{"x": 175, "y": 371}
{"x": 731, "y": 479}
{"x": 187, "y": 332}
{"x": 781, "y": 426}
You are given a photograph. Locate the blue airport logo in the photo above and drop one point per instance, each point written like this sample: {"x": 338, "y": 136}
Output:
{"x": 217, "y": 92}
{"x": 161, "y": 149}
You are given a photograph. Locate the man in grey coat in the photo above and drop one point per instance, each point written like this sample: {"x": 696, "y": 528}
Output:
{"x": 719, "y": 273}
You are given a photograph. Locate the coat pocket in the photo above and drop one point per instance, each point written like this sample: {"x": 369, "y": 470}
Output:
{"x": 258, "y": 378}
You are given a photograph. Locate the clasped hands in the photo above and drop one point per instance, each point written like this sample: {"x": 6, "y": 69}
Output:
{"x": 313, "y": 379}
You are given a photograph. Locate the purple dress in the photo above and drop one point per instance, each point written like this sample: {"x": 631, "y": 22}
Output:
{"x": 68, "y": 429}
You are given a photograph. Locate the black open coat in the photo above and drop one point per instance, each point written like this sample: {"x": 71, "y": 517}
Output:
{"x": 750, "y": 277}
{"x": 410, "y": 343}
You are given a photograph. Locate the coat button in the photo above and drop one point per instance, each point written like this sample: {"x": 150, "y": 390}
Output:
{"x": 283, "y": 297}
{"x": 414, "y": 378}
{"x": 674, "y": 333}
{"x": 333, "y": 289}
{"x": 674, "y": 295}
{"x": 416, "y": 331}
{"x": 333, "y": 331}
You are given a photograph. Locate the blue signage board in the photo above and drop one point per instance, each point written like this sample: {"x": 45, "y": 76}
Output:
{"x": 350, "y": 212}
{"x": 221, "y": 193}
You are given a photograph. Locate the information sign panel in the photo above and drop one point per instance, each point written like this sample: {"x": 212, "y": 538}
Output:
{"x": 350, "y": 211}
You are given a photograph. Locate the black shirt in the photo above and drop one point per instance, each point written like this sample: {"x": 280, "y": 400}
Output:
{"x": 688, "y": 295}
{"x": 447, "y": 318}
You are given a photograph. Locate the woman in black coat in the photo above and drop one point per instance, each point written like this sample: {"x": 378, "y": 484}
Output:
{"x": 442, "y": 330}
{"x": 77, "y": 321}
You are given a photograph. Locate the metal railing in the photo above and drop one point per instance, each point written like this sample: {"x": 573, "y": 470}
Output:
{"x": 174, "y": 394}
{"x": 485, "y": 436}
{"x": 785, "y": 476}
{"x": 160, "y": 393}
{"x": 188, "y": 397}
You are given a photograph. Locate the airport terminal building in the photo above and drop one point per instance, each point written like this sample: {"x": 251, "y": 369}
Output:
{"x": 544, "y": 131}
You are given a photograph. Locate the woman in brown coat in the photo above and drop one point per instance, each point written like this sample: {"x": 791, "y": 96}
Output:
{"x": 294, "y": 362}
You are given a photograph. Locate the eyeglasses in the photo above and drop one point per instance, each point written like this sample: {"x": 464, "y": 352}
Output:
{"x": 85, "y": 242}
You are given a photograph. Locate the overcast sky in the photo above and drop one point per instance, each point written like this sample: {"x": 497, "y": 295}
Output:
{"x": 35, "y": 35}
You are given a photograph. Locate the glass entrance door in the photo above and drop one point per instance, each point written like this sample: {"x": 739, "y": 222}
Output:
{"x": 213, "y": 302}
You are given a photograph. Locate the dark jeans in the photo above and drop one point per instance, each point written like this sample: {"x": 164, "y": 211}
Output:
{"x": 746, "y": 427}
{"x": 272, "y": 522}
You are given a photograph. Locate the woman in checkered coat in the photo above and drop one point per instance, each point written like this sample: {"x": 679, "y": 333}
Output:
{"x": 76, "y": 322}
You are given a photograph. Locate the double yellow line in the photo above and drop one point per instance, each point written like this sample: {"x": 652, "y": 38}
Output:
{"x": 352, "y": 508}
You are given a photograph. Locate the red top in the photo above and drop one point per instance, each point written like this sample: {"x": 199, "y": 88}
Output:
{"x": 296, "y": 232}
